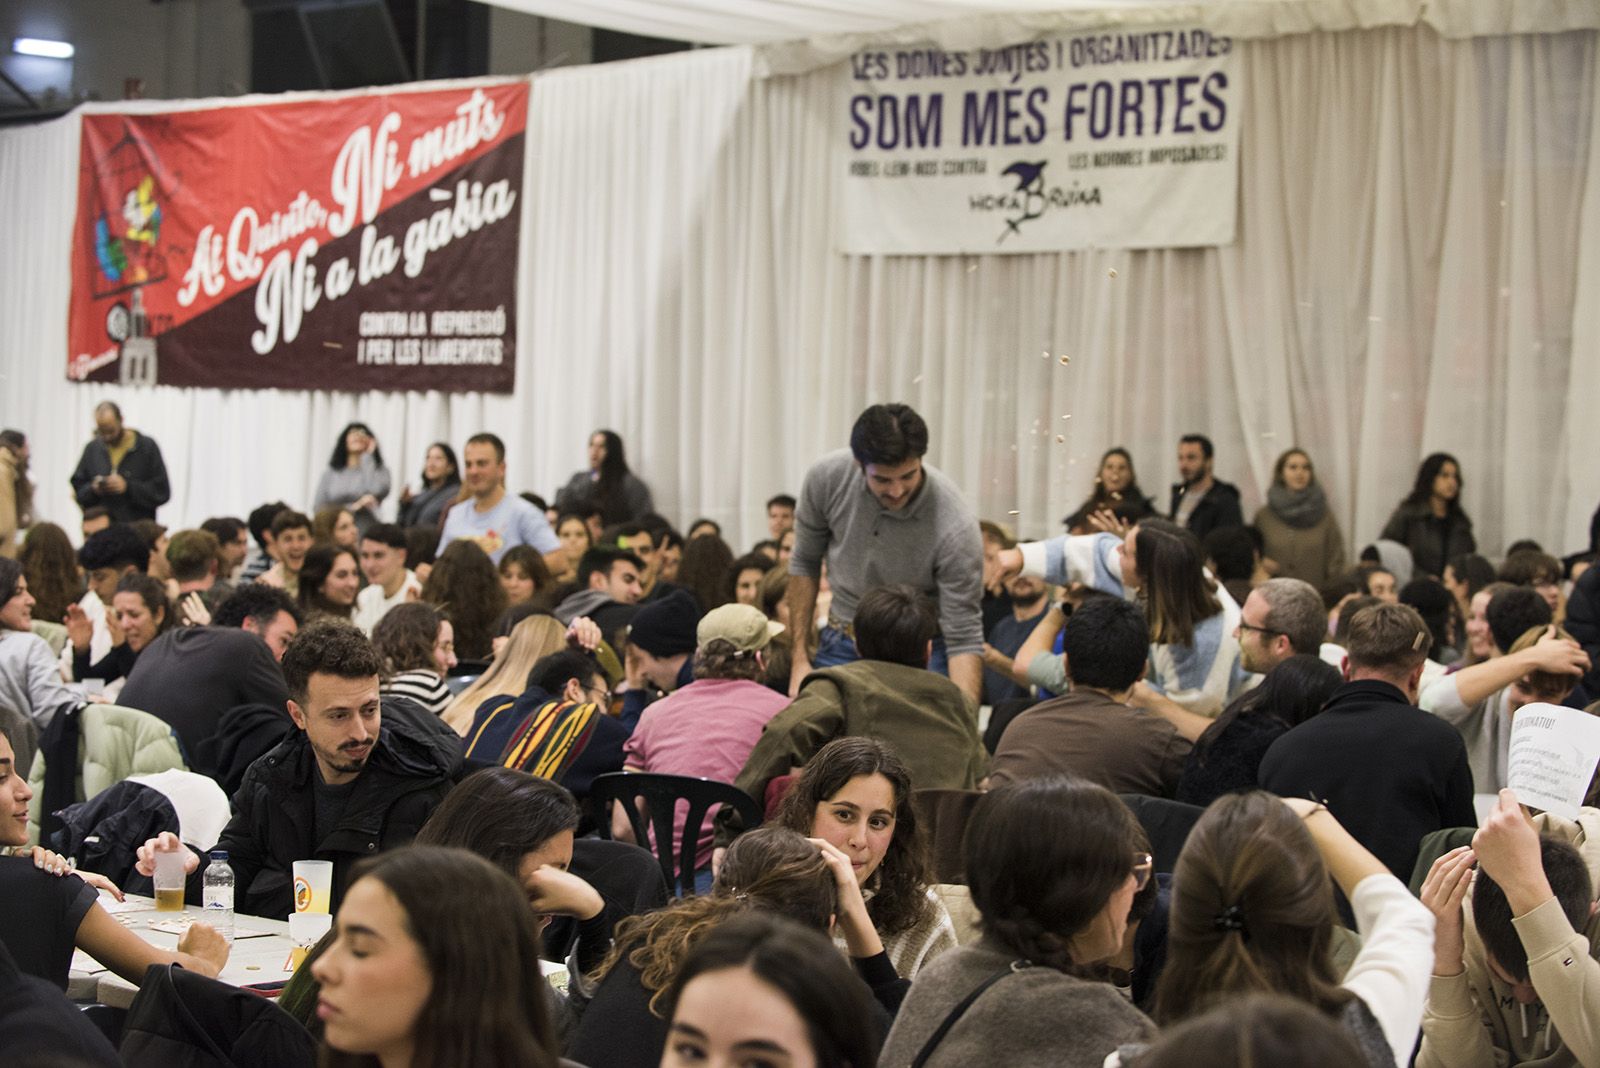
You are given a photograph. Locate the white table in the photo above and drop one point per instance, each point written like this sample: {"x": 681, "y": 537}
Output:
{"x": 260, "y": 952}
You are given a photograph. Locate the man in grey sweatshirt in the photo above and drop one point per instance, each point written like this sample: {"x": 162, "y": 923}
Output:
{"x": 879, "y": 516}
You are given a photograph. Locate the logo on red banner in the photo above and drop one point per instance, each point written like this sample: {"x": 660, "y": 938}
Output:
{"x": 350, "y": 242}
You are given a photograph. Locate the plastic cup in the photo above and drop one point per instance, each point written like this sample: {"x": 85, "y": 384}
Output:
{"x": 170, "y": 879}
{"x": 313, "y": 885}
{"x": 305, "y": 931}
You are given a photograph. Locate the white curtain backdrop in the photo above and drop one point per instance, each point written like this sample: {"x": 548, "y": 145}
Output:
{"x": 1411, "y": 252}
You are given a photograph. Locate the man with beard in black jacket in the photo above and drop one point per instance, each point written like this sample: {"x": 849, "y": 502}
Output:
{"x": 352, "y": 780}
{"x": 1200, "y": 502}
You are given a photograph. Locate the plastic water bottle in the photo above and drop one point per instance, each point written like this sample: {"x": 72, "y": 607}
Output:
{"x": 218, "y": 883}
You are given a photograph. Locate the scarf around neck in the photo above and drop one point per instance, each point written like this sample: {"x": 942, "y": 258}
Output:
{"x": 1298, "y": 509}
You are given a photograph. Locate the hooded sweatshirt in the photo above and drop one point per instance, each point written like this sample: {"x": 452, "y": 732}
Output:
{"x": 1472, "y": 1020}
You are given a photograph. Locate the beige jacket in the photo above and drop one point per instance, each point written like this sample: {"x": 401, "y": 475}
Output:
{"x": 1473, "y": 1021}
{"x": 1312, "y": 554}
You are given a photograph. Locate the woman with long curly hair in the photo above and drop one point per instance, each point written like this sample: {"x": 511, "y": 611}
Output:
{"x": 856, "y": 794}
{"x": 772, "y": 869}
{"x": 1053, "y": 871}
{"x": 355, "y": 478}
{"x": 1253, "y": 912}
{"x": 51, "y": 566}
{"x": 465, "y": 584}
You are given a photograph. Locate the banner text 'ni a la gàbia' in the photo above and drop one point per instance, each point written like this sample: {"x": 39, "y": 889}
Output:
{"x": 1125, "y": 139}
{"x": 352, "y": 242}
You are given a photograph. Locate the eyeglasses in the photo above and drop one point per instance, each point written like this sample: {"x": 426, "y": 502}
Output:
{"x": 601, "y": 694}
{"x": 1143, "y": 864}
{"x": 1259, "y": 630}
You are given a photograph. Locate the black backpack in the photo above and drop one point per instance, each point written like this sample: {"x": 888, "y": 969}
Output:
{"x": 183, "y": 1020}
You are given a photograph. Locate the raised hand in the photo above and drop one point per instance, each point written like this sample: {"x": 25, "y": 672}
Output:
{"x": 1443, "y": 891}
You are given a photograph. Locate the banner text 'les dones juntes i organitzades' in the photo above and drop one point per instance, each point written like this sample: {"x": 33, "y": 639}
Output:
{"x": 1111, "y": 139}
{"x": 351, "y": 242}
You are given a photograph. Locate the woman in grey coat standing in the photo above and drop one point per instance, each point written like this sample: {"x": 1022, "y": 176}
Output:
{"x": 355, "y": 478}
{"x": 1298, "y": 531}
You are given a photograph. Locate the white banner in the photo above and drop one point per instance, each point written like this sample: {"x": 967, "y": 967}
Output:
{"x": 1123, "y": 139}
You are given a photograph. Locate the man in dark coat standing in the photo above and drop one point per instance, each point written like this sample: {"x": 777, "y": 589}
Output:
{"x": 1200, "y": 502}
{"x": 121, "y": 470}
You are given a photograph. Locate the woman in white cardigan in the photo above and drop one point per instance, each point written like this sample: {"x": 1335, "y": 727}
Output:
{"x": 1253, "y": 911}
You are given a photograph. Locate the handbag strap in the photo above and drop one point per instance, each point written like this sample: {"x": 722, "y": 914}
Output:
{"x": 962, "y": 1006}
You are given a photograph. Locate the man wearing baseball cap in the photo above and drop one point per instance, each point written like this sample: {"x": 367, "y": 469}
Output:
{"x": 707, "y": 728}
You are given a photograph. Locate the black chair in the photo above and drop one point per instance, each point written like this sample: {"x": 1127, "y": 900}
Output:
{"x": 943, "y": 815}
{"x": 661, "y": 794}
{"x": 1166, "y": 823}
{"x": 107, "y": 1020}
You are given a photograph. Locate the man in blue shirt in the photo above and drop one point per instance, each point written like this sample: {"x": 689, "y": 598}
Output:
{"x": 493, "y": 518}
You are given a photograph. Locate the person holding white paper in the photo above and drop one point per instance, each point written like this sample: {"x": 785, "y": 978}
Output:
{"x": 1543, "y": 664}
{"x": 1515, "y": 976}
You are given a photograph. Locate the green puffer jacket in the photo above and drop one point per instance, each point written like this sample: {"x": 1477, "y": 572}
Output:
{"x": 114, "y": 743}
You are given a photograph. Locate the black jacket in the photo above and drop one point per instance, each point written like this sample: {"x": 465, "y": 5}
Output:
{"x": 413, "y": 766}
{"x": 1583, "y": 623}
{"x": 1218, "y": 508}
{"x": 142, "y": 468}
{"x": 1389, "y": 772}
{"x": 1433, "y": 542}
{"x": 38, "y": 1025}
{"x": 183, "y": 1020}
{"x": 244, "y": 735}
{"x": 105, "y": 832}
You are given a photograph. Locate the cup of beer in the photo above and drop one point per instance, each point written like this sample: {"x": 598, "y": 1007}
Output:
{"x": 169, "y": 879}
{"x": 313, "y": 885}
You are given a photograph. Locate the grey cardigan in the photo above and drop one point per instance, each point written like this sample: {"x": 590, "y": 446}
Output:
{"x": 1035, "y": 1018}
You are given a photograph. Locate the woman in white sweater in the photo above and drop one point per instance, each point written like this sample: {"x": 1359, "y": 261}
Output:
{"x": 1253, "y": 911}
{"x": 1194, "y": 656}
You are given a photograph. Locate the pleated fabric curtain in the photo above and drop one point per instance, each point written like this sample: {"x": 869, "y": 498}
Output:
{"x": 1418, "y": 223}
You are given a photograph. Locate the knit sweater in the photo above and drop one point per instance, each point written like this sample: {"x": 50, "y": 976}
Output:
{"x": 1033, "y": 1018}
{"x": 931, "y": 543}
{"x": 1313, "y": 554}
{"x": 919, "y": 944}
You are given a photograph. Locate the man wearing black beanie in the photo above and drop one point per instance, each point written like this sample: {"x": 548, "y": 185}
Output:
{"x": 660, "y": 651}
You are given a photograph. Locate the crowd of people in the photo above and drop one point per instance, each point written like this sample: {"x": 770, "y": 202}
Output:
{"x": 1168, "y": 785}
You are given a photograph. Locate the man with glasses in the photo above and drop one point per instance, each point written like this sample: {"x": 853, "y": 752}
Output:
{"x": 1091, "y": 732}
{"x": 1281, "y": 617}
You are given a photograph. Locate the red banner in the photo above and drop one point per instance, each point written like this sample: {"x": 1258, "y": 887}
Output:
{"x": 357, "y": 242}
